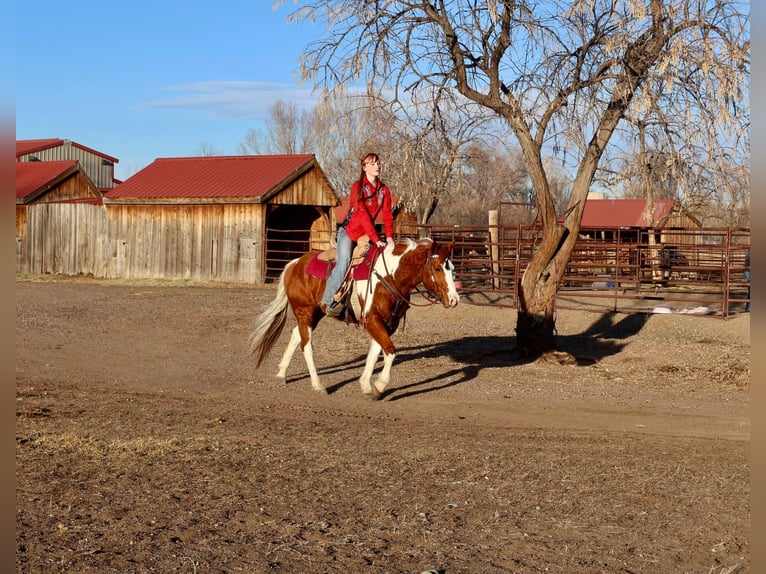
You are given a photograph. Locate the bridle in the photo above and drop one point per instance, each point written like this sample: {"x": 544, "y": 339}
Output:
{"x": 397, "y": 293}
{"x": 401, "y": 301}
{"x": 428, "y": 295}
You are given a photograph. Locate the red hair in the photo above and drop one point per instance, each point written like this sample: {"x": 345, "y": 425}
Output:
{"x": 367, "y": 158}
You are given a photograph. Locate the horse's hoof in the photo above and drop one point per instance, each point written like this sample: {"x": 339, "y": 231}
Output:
{"x": 320, "y": 390}
{"x": 373, "y": 395}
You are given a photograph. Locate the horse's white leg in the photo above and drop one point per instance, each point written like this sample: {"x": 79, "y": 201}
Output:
{"x": 287, "y": 356}
{"x": 364, "y": 381}
{"x": 308, "y": 354}
{"x": 385, "y": 374}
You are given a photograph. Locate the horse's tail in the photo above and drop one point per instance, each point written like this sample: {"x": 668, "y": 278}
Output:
{"x": 269, "y": 324}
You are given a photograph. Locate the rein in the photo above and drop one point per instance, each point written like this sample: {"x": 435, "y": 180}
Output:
{"x": 401, "y": 304}
{"x": 396, "y": 292}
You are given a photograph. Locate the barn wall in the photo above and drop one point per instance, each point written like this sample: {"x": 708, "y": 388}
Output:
{"x": 78, "y": 186}
{"x": 312, "y": 188}
{"x": 201, "y": 242}
{"x": 57, "y": 238}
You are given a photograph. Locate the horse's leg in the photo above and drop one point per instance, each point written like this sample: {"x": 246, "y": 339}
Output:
{"x": 384, "y": 378}
{"x": 381, "y": 341}
{"x": 368, "y": 390}
{"x": 301, "y": 335}
{"x": 308, "y": 355}
{"x": 287, "y": 356}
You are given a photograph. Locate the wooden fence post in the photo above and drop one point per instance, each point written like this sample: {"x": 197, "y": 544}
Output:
{"x": 494, "y": 247}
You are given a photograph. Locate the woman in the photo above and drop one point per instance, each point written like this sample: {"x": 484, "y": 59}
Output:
{"x": 369, "y": 196}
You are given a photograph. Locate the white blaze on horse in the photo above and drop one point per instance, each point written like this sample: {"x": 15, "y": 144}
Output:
{"x": 378, "y": 303}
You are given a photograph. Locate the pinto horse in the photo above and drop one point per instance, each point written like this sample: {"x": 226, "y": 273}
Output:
{"x": 377, "y": 303}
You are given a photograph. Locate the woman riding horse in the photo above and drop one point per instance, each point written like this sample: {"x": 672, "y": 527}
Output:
{"x": 379, "y": 303}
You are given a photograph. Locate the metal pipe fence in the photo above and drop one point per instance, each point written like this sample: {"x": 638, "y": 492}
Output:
{"x": 699, "y": 271}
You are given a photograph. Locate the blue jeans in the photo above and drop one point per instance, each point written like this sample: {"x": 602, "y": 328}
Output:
{"x": 344, "y": 247}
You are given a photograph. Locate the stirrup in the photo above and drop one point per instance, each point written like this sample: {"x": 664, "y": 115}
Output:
{"x": 334, "y": 309}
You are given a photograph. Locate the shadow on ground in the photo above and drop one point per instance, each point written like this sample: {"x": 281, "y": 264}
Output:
{"x": 606, "y": 336}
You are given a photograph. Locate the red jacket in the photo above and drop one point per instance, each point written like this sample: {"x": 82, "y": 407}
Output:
{"x": 364, "y": 213}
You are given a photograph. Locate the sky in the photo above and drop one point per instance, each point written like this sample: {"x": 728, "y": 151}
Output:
{"x": 140, "y": 80}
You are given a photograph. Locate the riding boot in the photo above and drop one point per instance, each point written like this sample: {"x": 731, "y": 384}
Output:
{"x": 334, "y": 309}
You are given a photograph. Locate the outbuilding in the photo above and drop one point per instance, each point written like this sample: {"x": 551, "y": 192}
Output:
{"x": 219, "y": 218}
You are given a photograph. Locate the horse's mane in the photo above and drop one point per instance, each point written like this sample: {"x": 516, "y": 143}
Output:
{"x": 412, "y": 244}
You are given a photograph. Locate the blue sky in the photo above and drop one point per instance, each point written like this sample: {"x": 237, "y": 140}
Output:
{"x": 139, "y": 80}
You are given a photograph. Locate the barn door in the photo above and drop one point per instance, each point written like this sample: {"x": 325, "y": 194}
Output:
{"x": 289, "y": 235}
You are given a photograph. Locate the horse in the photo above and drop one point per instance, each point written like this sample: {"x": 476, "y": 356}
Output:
{"x": 378, "y": 303}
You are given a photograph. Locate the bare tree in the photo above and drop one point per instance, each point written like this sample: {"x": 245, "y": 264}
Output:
{"x": 684, "y": 147}
{"x": 338, "y": 123}
{"x": 286, "y": 132}
{"x": 207, "y": 150}
{"x": 489, "y": 175}
{"x": 562, "y": 74}
{"x": 425, "y": 139}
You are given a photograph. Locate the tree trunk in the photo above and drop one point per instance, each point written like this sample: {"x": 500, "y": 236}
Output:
{"x": 536, "y": 319}
{"x": 536, "y": 322}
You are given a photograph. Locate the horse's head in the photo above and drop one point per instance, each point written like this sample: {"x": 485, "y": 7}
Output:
{"x": 438, "y": 276}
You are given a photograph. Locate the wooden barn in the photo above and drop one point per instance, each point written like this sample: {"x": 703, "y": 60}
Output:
{"x": 43, "y": 191}
{"x": 233, "y": 218}
{"x": 99, "y": 166}
{"x": 223, "y": 218}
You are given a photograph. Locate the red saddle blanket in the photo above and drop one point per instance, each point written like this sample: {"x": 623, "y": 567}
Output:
{"x": 321, "y": 269}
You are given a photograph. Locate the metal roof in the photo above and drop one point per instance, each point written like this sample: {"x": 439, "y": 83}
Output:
{"x": 24, "y": 147}
{"x": 35, "y": 177}
{"x": 213, "y": 177}
{"x": 624, "y": 212}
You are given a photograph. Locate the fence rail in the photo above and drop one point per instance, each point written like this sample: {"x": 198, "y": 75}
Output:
{"x": 700, "y": 272}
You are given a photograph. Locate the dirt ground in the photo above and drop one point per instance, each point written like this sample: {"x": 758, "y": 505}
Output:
{"x": 146, "y": 441}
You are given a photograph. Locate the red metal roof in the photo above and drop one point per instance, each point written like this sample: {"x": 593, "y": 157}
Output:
{"x": 32, "y": 177}
{"x": 242, "y": 176}
{"x": 623, "y": 212}
{"x": 24, "y": 147}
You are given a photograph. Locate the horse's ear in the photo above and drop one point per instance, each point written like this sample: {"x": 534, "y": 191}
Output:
{"x": 444, "y": 250}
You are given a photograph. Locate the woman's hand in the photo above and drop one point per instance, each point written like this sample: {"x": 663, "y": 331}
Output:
{"x": 380, "y": 244}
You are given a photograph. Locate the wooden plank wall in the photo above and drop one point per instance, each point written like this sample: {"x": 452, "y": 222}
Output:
{"x": 201, "y": 242}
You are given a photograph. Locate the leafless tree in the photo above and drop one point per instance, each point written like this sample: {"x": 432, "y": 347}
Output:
{"x": 207, "y": 150}
{"x": 285, "y": 132}
{"x": 338, "y": 125}
{"x": 425, "y": 139}
{"x": 562, "y": 74}
{"x": 489, "y": 175}
{"x": 684, "y": 148}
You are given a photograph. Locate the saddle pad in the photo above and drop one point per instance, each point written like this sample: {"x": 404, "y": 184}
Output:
{"x": 319, "y": 268}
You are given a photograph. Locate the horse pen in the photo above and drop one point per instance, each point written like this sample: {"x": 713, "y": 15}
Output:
{"x": 147, "y": 441}
{"x": 699, "y": 270}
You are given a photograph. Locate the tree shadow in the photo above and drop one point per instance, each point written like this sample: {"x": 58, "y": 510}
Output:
{"x": 605, "y": 337}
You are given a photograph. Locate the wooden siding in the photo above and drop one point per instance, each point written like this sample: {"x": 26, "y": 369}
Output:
{"x": 312, "y": 188}
{"x": 76, "y": 187}
{"x": 102, "y": 175}
{"x": 208, "y": 242}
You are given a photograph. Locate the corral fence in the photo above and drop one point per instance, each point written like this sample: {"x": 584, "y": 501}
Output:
{"x": 696, "y": 271}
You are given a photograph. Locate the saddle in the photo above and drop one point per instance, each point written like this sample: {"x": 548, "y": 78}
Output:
{"x": 362, "y": 259}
